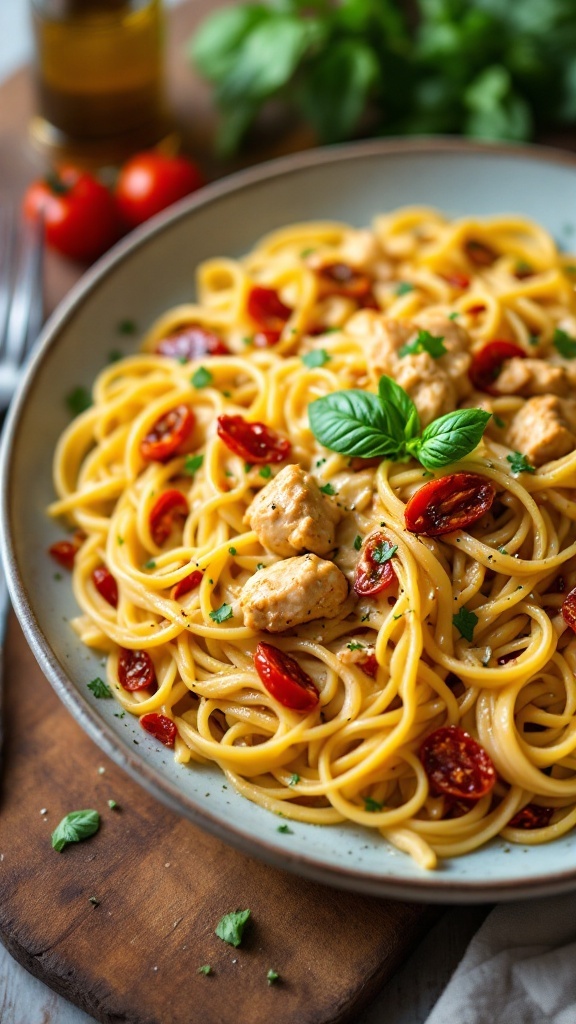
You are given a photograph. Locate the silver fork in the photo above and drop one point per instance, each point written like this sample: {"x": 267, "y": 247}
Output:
{"x": 21, "y": 315}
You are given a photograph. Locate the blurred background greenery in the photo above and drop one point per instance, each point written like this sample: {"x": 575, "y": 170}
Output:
{"x": 491, "y": 69}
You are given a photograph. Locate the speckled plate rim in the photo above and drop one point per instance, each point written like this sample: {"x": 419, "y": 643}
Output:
{"x": 431, "y": 887}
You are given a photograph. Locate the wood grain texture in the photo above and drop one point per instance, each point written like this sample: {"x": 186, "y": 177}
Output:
{"x": 161, "y": 884}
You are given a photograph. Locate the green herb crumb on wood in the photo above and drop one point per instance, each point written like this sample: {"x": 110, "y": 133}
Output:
{"x": 482, "y": 68}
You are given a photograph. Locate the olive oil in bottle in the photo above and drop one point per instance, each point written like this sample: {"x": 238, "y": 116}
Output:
{"x": 99, "y": 77}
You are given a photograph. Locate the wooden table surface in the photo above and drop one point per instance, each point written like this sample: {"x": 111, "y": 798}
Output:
{"x": 406, "y": 999}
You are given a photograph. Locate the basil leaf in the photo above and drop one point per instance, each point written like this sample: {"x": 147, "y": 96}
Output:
{"x": 425, "y": 342}
{"x": 354, "y": 423}
{"x": 564, "y": 344}
{"x": 231, "y": 926}
{"x": 75, "y": 827}
{"x": 317, "y": 357}
{"x": 384, "y": 552}
{"x": 201, "y": 378}
{"x": 352, "y": 61}
{"x": 216, "y": 42}
{"x": 100, "y": 689}
{"x": 399, "y": 405}
{"x": 222, "y": 613}
{"x": 519, "y": 463}
{"x": 450, "y": 437}
{"x": 268, "y": 57}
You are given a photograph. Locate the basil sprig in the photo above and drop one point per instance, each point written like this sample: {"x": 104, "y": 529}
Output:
{"x": 361, "y": 424}
{"x": 74, "y": 827}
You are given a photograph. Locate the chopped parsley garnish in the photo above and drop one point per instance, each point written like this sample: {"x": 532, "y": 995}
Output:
{"x": 384, "y": 552}
{"x": 222, "y": 613}
{"x": 318, "y": 357}
{"x": 192, "y": 463}
{"x": 113, "y": 805}
{"x": 564, "y": 344}
{"x": 260, "y": 566}
{"x": 265, "y": 472}
{"x": 201, "y": 378}
{"x": 328, "y": 489}
{"x": 285, "y": 829}
{"x": 372, "y": 805}
{"x": 294, "y": 779}
{"x": 75, "y": 827}
{"x": 94, "y": 901}
{"x": 231, "y": 551}
{"x": 403, "y": 288}
{"x": 79, "y": 400}
{"x": 465, "y": 623}
{"x": 354, "y": 645}
{"x": 357, "y": 542}
{"x": 205, "y": 969}
{"x": 272, "y": 976}
{"x": 230, "y": 928}
{"x": 306, "y": 252}
{"x": 534, "y": 339}
{"x": 425, "y": 342}
{"x": 100, "y": 689}
{"x": 502, "y": 551}
{"x": 150, "y": 564}
{"x": 519, "y": 463}
{"x": 127, "y": 327}
{"x": 120, "y": 540}
{"x": 453, "y": 316}
{"x": 499, "y": 422}
{"x": 247, "y": 341}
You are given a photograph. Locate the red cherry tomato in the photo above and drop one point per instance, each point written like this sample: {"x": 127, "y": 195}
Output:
{"x": 457, "y": 280}
{"x": 170, "y": 506}
{"x": 456, "y": 765}
{"x": 266, "y": 308}
{"x": 161, "y": 727}
{"x": 341, "y": 279}
{"x": 569, "y": 609}
{"x": 253, "y": 442}
{"x": 79, "y": 213}
{"x": 64, "y": 551}
{"x": 372, "y": 576}
{"x": 480, "y": 254}
{"x": 151, "y": 181}
{"x": 450, "y": 503}
{"x": 191, "y": 341}
{"x": 167, "y": 434}
{"x": 284, "y": 679}
{"x": 106, "y": 585}
{"x": 532, "y": 816}
{"x": 189, "y": 583}
{"x": 135, "y": 670}
{"x": 487, "y": 363}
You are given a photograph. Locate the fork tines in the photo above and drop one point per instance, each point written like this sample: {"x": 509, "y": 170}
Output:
{"x": 21, "y": 294}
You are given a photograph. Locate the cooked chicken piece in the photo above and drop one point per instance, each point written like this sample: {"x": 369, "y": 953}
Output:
{"x": 290, "y": 515}
{"x": 431, "y": 390}
{"x": 293, "y": 591}
{"x": 544, "y": 429}
{"x": 436, "y": 386}
{"x": 530, "y": 377}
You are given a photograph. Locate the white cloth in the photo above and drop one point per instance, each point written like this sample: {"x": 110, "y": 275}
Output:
{"x": 520, "y": 968}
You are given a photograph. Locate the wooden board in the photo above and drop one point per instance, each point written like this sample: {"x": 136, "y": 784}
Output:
{"x": 161, "y": 884}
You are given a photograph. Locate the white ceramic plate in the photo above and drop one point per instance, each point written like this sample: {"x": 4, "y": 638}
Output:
{"x": 139, "y": 279}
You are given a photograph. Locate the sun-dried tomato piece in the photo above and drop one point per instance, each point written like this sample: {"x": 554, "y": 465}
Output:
{"x": 266, "y": 308}
{"x": 532, "y": 816}
{"x": 370, "y": 666}
{"x": 450, "y": 503}
{"x": 161, "y": 727}
{"x": 64, "y": 551}
{"x": 135, "y": 670}
{"x": 456, "y": 764}
{"x": 480, "y": 254}
{"x": 191, "y": 341}
{"x": 168, "y": 508}
{"x": 488, "y": 362}
{"x": 252, "y": 441}
{"x": 106, "y": 585}
{"x": 169, "y": 432}
{"x": 184, "y": 586}
{"x": 342, "y": 279}
{"x": 457, "y": 280}
{"x": 374, "y": 570}
{"x": 282, "y": 676}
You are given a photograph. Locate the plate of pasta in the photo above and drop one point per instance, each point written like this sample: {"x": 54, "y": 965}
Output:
{"x": 296, "y": 541}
